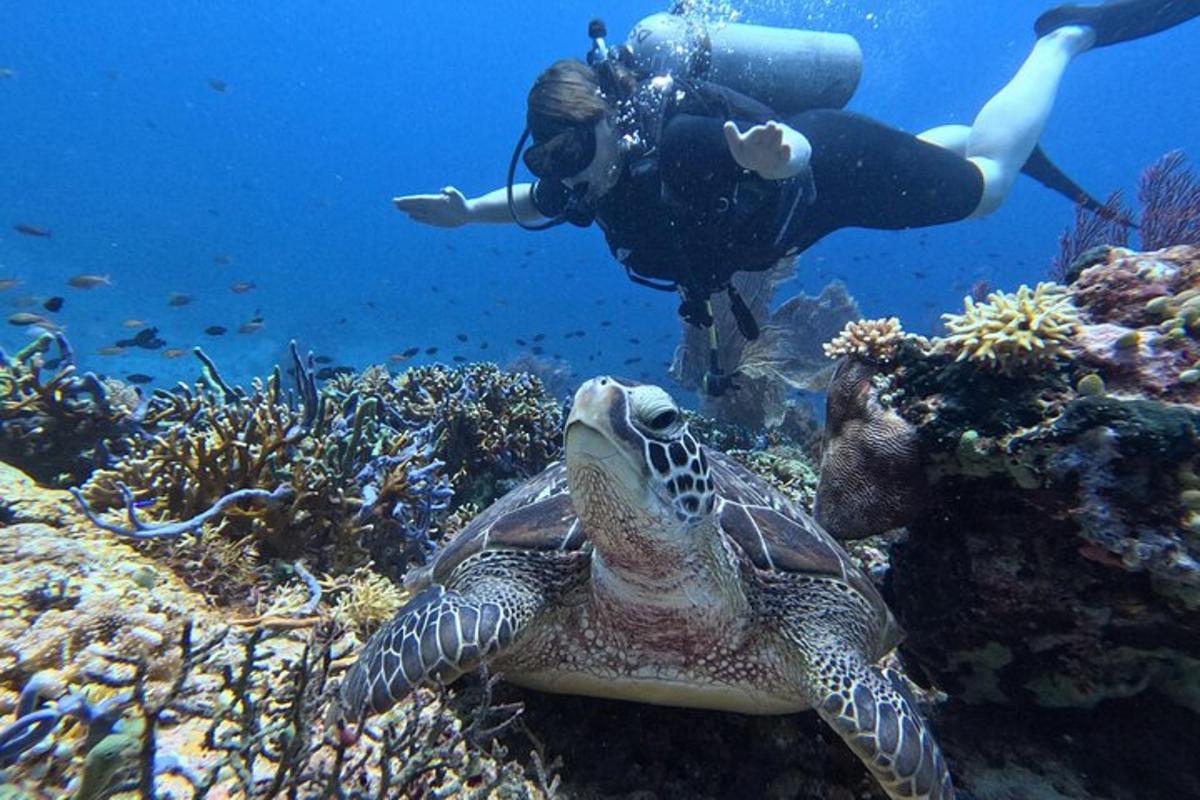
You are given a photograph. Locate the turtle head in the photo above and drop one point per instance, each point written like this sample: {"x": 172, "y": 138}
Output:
{"x": 630, "y": 455}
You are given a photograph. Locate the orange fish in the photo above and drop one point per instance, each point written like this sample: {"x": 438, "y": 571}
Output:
{"x": 133, "y": 323}
{"x": 174, "y": 352}
{"x": 114, "y": 350}
{"x": 242, "y": 287}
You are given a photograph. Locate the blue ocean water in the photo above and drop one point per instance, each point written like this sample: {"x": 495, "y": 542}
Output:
{"x": 188, "y": 146}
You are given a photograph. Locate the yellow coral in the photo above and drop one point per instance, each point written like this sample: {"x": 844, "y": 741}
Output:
{"x": 369, "y": 600}
{"x": 1012, "y": 332}
{"x": 873, "y": 340}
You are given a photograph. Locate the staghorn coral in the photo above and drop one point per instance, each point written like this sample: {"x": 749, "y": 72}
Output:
{"x": 487, "y": 425}
{"x": 345, "y": 476}
{"x": 1014, "y": 333}
{"x": 53, "y": 421}
{"x": 873, "y": 340}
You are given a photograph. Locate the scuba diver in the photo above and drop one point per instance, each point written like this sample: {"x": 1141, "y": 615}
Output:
{"x": 692, "y": 181}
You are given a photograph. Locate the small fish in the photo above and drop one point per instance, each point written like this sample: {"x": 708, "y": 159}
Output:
{"x": 581, "y": 333}
{"x": 325, "y": 373}
{"x": 253, "y": 325}
{"x": 604, "y": 323}
{"x": 174, "y": 352}
{"x": 53, "y": 304}
{"x": 431, "y": 351}
{"x": 112, "y": 74}
{"x": 919, "y": 275}
{"x": 111, "y": 350}
{"x": 634, "y": 340}
{"x": 322, "y": 360}
{"x": 178, "y": 299}
{"x": 460, "y": 359}
{"x": 634, "y": 360}
{"x": 218, "y": 85}
{"x": 483, "y": 345}
{"x": 31, "y": 230}
{"x": 139, "y": 377}
{"x": 133, "y": 324}
{"x": 9, "y": 283}
{"x": 241, "y": 287}
{"x": 520, "y": 342}
{"x": 7, "y": 72}
{"x": 397, "y": 358}
{"x": 537, "y": 351}
{"x": 222, "y": 259}
{"x": 146, "y": 338}
{"x": 410, "y": 352}
{"x": 462, "y": 337}
{"x": 86, "y": 281}
{"x": 215, "y": 330}
{"x": 539, "y": 337}
{"x": 26, "y": 318}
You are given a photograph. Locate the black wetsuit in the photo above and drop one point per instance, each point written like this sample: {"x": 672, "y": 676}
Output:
{"x": 687, "y": 213}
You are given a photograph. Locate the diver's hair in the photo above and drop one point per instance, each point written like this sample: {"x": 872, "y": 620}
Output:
{"x": 569, "y": 94}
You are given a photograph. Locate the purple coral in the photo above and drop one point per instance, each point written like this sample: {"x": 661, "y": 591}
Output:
{"x": 1170, "y": 197}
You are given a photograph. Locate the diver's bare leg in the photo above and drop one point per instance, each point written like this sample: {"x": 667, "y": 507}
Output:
{"x": 1010, "y": 124}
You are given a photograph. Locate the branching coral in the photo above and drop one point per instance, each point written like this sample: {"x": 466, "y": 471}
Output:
{"x": 52, "y": 419}
{"x": 873, "y": 340}
{"x": 1013, "y": 333}
{"x": 488, "y": 425}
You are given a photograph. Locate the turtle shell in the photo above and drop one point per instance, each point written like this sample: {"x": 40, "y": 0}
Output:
{"x": 537, "y": 515}
{"x": 778, "y": 536}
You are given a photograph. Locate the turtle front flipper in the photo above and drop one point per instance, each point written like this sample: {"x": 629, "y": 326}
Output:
{"x": 445, "y": 631}
{"x": 871, "y": 710}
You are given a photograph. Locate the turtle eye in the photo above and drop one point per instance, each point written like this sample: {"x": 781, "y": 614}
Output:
{"x": 663, "y": 420}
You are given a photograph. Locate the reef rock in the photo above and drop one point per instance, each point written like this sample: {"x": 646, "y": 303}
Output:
{"x": 1054, "y": 558}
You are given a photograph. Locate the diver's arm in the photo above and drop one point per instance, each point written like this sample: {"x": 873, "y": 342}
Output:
{"x": 451, "y": 209}
{"x": 775, "y": 151}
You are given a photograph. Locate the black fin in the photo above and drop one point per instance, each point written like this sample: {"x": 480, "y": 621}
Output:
{"x": 1119, "y": 20}
{"x": 1043, "y": 170}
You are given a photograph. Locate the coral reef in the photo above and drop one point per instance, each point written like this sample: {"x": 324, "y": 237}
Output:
{"x": 116, "y": 676}
{"x": 1013, "y": 332}
{"x": 1053, "y": 559}
{"x": 358, "y": 470}
{"x": 1139, "y": 314}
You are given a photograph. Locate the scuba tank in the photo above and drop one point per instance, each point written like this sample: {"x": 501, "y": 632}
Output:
{"x": 787, "y": 69}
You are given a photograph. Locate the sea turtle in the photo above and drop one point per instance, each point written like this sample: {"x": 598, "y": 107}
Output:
{"x": 647, "y": 567}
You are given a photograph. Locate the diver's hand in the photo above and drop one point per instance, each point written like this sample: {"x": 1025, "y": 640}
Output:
{"x": 774, "y": 150}
{"x": 449, "y": 209}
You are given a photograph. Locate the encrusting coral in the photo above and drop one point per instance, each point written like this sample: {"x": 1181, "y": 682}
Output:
{"x": 1014, "y": 333}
